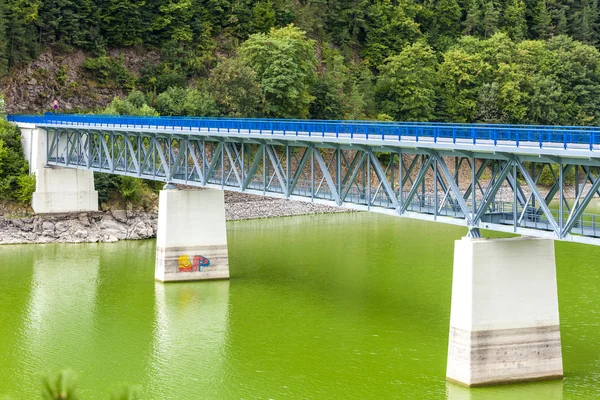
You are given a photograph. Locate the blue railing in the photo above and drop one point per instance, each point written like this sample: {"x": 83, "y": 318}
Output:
{"x": 581, "y": 137}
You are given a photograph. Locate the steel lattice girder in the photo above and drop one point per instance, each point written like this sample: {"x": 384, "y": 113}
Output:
{"x": 406, "y": 181}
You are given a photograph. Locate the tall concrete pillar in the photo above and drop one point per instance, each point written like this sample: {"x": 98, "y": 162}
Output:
{"x": 504, "y": 323}
{"x": 191, "y": 238}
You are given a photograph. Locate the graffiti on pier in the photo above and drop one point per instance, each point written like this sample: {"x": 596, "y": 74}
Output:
{"x": 197, "y": 263}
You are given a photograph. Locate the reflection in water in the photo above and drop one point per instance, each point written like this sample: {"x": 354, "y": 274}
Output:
{"x": 190, "y": 336}
{"x": 60, "y": 309}
{"x": 548, "y": 390}
{"x": 328, "y": 307}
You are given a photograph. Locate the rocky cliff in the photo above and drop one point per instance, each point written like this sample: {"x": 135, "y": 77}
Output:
{"x": 57, "y": 76}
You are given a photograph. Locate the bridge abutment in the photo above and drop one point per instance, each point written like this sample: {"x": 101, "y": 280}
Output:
{"x": 59, "y": 190}
{"x": 504, "y": 322}
{"x": 191, "y": 239}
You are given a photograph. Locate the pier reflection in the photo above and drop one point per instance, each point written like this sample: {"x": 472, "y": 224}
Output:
{"x": 190, "y": 336}
{"x": 60, "y": 309}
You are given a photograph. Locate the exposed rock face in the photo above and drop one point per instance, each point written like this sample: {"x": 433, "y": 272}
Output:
{"x": 77, "y": 228}
{"x": 114, "y": 225}
{"x": 32, "y": 87}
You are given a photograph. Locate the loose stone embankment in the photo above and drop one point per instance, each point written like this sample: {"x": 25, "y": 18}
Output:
{"x": 114, "y": 225}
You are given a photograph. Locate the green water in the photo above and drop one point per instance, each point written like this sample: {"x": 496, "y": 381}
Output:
{"x": 352, "y": 306}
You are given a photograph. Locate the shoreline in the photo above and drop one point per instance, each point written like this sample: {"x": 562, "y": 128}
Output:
{"x": 111, "y": 225}
{"x": 114, "y": 225}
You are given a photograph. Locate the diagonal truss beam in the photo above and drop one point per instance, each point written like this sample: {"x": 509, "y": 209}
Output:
{"x": 383, "y": 179}
{"x": 278, "y": 168}
{"x": 417, "y": 182}
{"x": 254, "y": 167}
{"x": 538, "y": 196}
{"x": 327, "y": 176}
{"x": 579, "y": 208}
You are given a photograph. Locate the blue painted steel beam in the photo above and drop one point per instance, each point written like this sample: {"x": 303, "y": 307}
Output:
{"x": 580, "y": 137}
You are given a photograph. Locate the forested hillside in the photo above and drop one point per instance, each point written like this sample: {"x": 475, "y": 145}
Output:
{"x": 514, "y": 61}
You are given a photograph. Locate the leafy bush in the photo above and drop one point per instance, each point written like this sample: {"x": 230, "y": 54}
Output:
{"x": 134, "y": 104}
{"x": 106, "y": 69}
{"x": 61, "y": 75}
{"x": 12, "y": 161}
{"x": 26, "y": 184}
{"x": 236, "y": 89}
{"x": 114, "y": 188}
{"x": 188, "y": 101}
{"x": 131, "y": 188}
{"x": 106, "y": 185}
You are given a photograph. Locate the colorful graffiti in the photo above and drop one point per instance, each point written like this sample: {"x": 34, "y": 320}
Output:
{"x": 197, "y": 263}
{"x": 184, "y": 264}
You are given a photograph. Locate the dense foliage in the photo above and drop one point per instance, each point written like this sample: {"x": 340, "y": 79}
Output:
{"x": 525, "y": 61}
{"x": 15, "y": 183}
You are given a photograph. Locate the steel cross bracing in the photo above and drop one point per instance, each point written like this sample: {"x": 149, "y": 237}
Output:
{"x": 498, "y": 191}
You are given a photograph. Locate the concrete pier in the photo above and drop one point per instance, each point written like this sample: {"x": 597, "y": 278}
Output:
{"x": 191, "y": 239}
{"x": 57, "y": 190}
{"x": 504, "y": 322}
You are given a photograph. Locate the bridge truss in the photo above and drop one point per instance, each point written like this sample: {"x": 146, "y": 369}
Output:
{"x": 494, "y": 190}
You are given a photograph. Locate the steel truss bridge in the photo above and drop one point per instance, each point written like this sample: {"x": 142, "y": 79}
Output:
{"x": 476, "y": 175}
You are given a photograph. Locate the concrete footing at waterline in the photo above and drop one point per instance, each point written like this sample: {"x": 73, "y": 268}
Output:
{"x": 504, "y": 321}
{"x": 191, "y": 238}
{"x": 63, "y": 190}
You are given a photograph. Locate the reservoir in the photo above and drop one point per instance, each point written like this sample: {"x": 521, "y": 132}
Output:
{"x": 340, "y": 306}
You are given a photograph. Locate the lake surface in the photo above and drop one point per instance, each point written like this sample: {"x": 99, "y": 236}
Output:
{"x": 347, "y": 306}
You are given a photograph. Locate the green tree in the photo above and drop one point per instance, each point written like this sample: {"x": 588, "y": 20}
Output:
{"x": 66, "y": 23}
{"x": 574, "y": 66}
{"x": 21, "y": 37}
{"x": 459, "y": 78}
{"x": 4, "y": 54}
{"x": 541, "y": 20}
{"x": 584, "y": 21}
{"x": 405, "y": 87}
{"x": 134, "y": 104}
{"x": 236, "y": 90}
{"x": 12, "y": 161}
{"x": 329, "y": 89}
{"x": 514, "y": 20}
{"x": 284, "y": 62}
{"x": 490, "y": 19}
{"x": 172, "y": 20}
{"x": 360, "y": 98}
{"x": 186, "y": 101}
{"x": 121, "y": 21}
{"x": 388, "y": 28}
{"x": 263, "y": 16}
{"x": 473, "y": 22}
{"x": 445, "y": 28}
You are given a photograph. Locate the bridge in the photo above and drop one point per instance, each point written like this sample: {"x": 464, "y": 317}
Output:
{"x": 536, "y": 181}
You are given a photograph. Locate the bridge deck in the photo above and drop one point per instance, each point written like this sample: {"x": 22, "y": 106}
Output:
{"x": 539, "y": 137}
